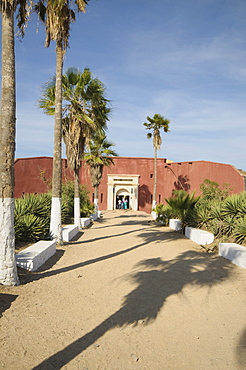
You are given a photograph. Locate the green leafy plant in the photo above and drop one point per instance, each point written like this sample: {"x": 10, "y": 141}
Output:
{"x": 240, "y": 230}
{"x": 183, "y": 206}
{"x": 86, "y": 207}
{"x": 211, "y": 190}
{"x": 32, "y": 217}
{"x": 164, "y": 213}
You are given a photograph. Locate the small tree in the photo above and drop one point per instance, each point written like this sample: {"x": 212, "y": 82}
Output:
{"x": 211, "y": 190}
{"x": 8, "y": 269}
{"x": 98, "y": 155}
{"x": 155, "y": 125}
{"x": 85, "y": 111}
{"x": 57, "y": 17}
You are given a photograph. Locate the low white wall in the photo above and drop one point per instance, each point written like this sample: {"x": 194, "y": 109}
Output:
{"x": 85, "y": 221}
{"x": 93, "y": 216}
{"x": 199, "y": 236}
{"x": 69, "y": 232}
{"x": 36, "y": 255}
{"x": 233, "y": 252}
{"x": 175, "y": 224}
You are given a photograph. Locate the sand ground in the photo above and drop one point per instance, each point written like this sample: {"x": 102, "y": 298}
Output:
{"x": 126, "y": 294}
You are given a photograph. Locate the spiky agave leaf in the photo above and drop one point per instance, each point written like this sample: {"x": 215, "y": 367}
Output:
{"x": 240, "y": 230}
{"x": 31, "y": 228}
{"x": 232, "y": 204}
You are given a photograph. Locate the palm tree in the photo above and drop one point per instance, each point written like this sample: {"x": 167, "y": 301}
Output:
{"x": 98, "y": 155}
{"x": 155, "y": 124}
{"x": 84, "y": 112}
{"x": 57, "y": 16}
{"x": 8, "y": 269}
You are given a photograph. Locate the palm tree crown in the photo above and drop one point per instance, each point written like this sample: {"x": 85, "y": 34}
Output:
{"x": 99, "y": 154}
{"x": 57, "y": 16}
{"x": 85, "y": 110}
{"x": 155, "y": 124}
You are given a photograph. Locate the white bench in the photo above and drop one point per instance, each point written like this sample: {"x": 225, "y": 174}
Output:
{"x": 69, "y": 232}
{"x": 175, "y": 224}
{"x": 234, "y": 252}
{"x": 198, "y": 236}
{"x": 85, "y": 221}
{"x": 36, "y": 255}
{"x": 95, "y": 215}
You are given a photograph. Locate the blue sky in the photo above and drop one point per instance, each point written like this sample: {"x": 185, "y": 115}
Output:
{"x": 183, "y": 59}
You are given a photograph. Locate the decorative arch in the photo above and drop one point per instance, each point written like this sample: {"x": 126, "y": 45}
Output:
{"x": 120, "y": 185}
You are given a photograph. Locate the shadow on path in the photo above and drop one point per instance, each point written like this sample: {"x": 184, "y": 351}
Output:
{"x": 6, "y": 301}
{"x": 241, "y": 350}
{"x": 151, "y": 235}
{"x": 156, "y": 281}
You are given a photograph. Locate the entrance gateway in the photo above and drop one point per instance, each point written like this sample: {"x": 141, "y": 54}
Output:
{"x": 123, "y": 186}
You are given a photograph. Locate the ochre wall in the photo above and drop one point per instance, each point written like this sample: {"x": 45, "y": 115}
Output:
{"x": 33, "y": 175}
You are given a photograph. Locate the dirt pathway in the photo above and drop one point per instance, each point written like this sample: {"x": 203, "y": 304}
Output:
{"x": 126, "y": 294}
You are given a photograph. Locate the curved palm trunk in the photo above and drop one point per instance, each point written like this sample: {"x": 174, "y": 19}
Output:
{"x": 77, "y": 218}
{"x": 55, "y": 219}
{"x": 8, "y": 269}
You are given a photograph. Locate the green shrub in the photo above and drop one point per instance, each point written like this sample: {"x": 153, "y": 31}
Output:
{"x": 32, "y": 212}
{"x": 86, "y": 207}
{"x": 32, "y": 217}
{"x": 240, "y": 230}
{"x": 183, "y": 207}
{"x": 164, "y": 213}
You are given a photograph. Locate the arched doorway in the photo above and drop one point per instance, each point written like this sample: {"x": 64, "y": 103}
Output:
{"x": 120, "y": 186}
{"x": 122, "y": 199}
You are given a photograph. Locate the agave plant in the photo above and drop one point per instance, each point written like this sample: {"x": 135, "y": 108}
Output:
{"x": 32, "y": 217}
{"x": 235, "y": 205}
{"x": 240, "y": 230}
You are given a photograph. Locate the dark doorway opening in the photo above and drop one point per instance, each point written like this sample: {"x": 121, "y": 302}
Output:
{"x": 120, "y": 204}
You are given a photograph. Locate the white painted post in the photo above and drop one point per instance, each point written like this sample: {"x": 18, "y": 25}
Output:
{"x": 8, "y": 267}
{"x": 55, "y": 220}
{"x": 77, "y": 218}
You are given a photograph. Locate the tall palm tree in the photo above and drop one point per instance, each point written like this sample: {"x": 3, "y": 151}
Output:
{"x": 8, "y": 269}
{"x": 155, "y": 125}
{"x": 85, "y": 111}
{"x": 57, "y": 16}
{"x": 98, "y": 154}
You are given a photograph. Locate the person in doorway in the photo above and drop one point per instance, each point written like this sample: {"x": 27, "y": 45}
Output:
{"x": 119, "y": 204}
{"x": 125, "y": 202}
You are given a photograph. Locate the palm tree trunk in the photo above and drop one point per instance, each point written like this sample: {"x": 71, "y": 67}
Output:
{"x": 96, "y": 208}
{"x": 77, "y": 218}
{"x": 8, "y": 269}
{"x": 55, "y": 220}
{"x": 155, "y": 178}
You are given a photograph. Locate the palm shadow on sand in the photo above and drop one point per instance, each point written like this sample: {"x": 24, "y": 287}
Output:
{"x": 155, "y": 281}
{"x": 148, "y": 235}
{"x": 241, "y": 350}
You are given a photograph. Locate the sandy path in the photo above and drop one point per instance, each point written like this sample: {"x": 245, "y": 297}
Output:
{"x": 126, "y": 295}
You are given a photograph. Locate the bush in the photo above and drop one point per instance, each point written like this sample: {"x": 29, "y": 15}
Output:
{"x": 86, "y": 207}
{"x": 164, "y": 213}
{"x": 32, "y": 217}
{"x": 183, "y": 206}
{"x": 32, "y": 212}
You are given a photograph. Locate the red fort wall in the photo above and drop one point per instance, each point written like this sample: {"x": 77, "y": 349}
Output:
{"x": 33, "y": 175}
